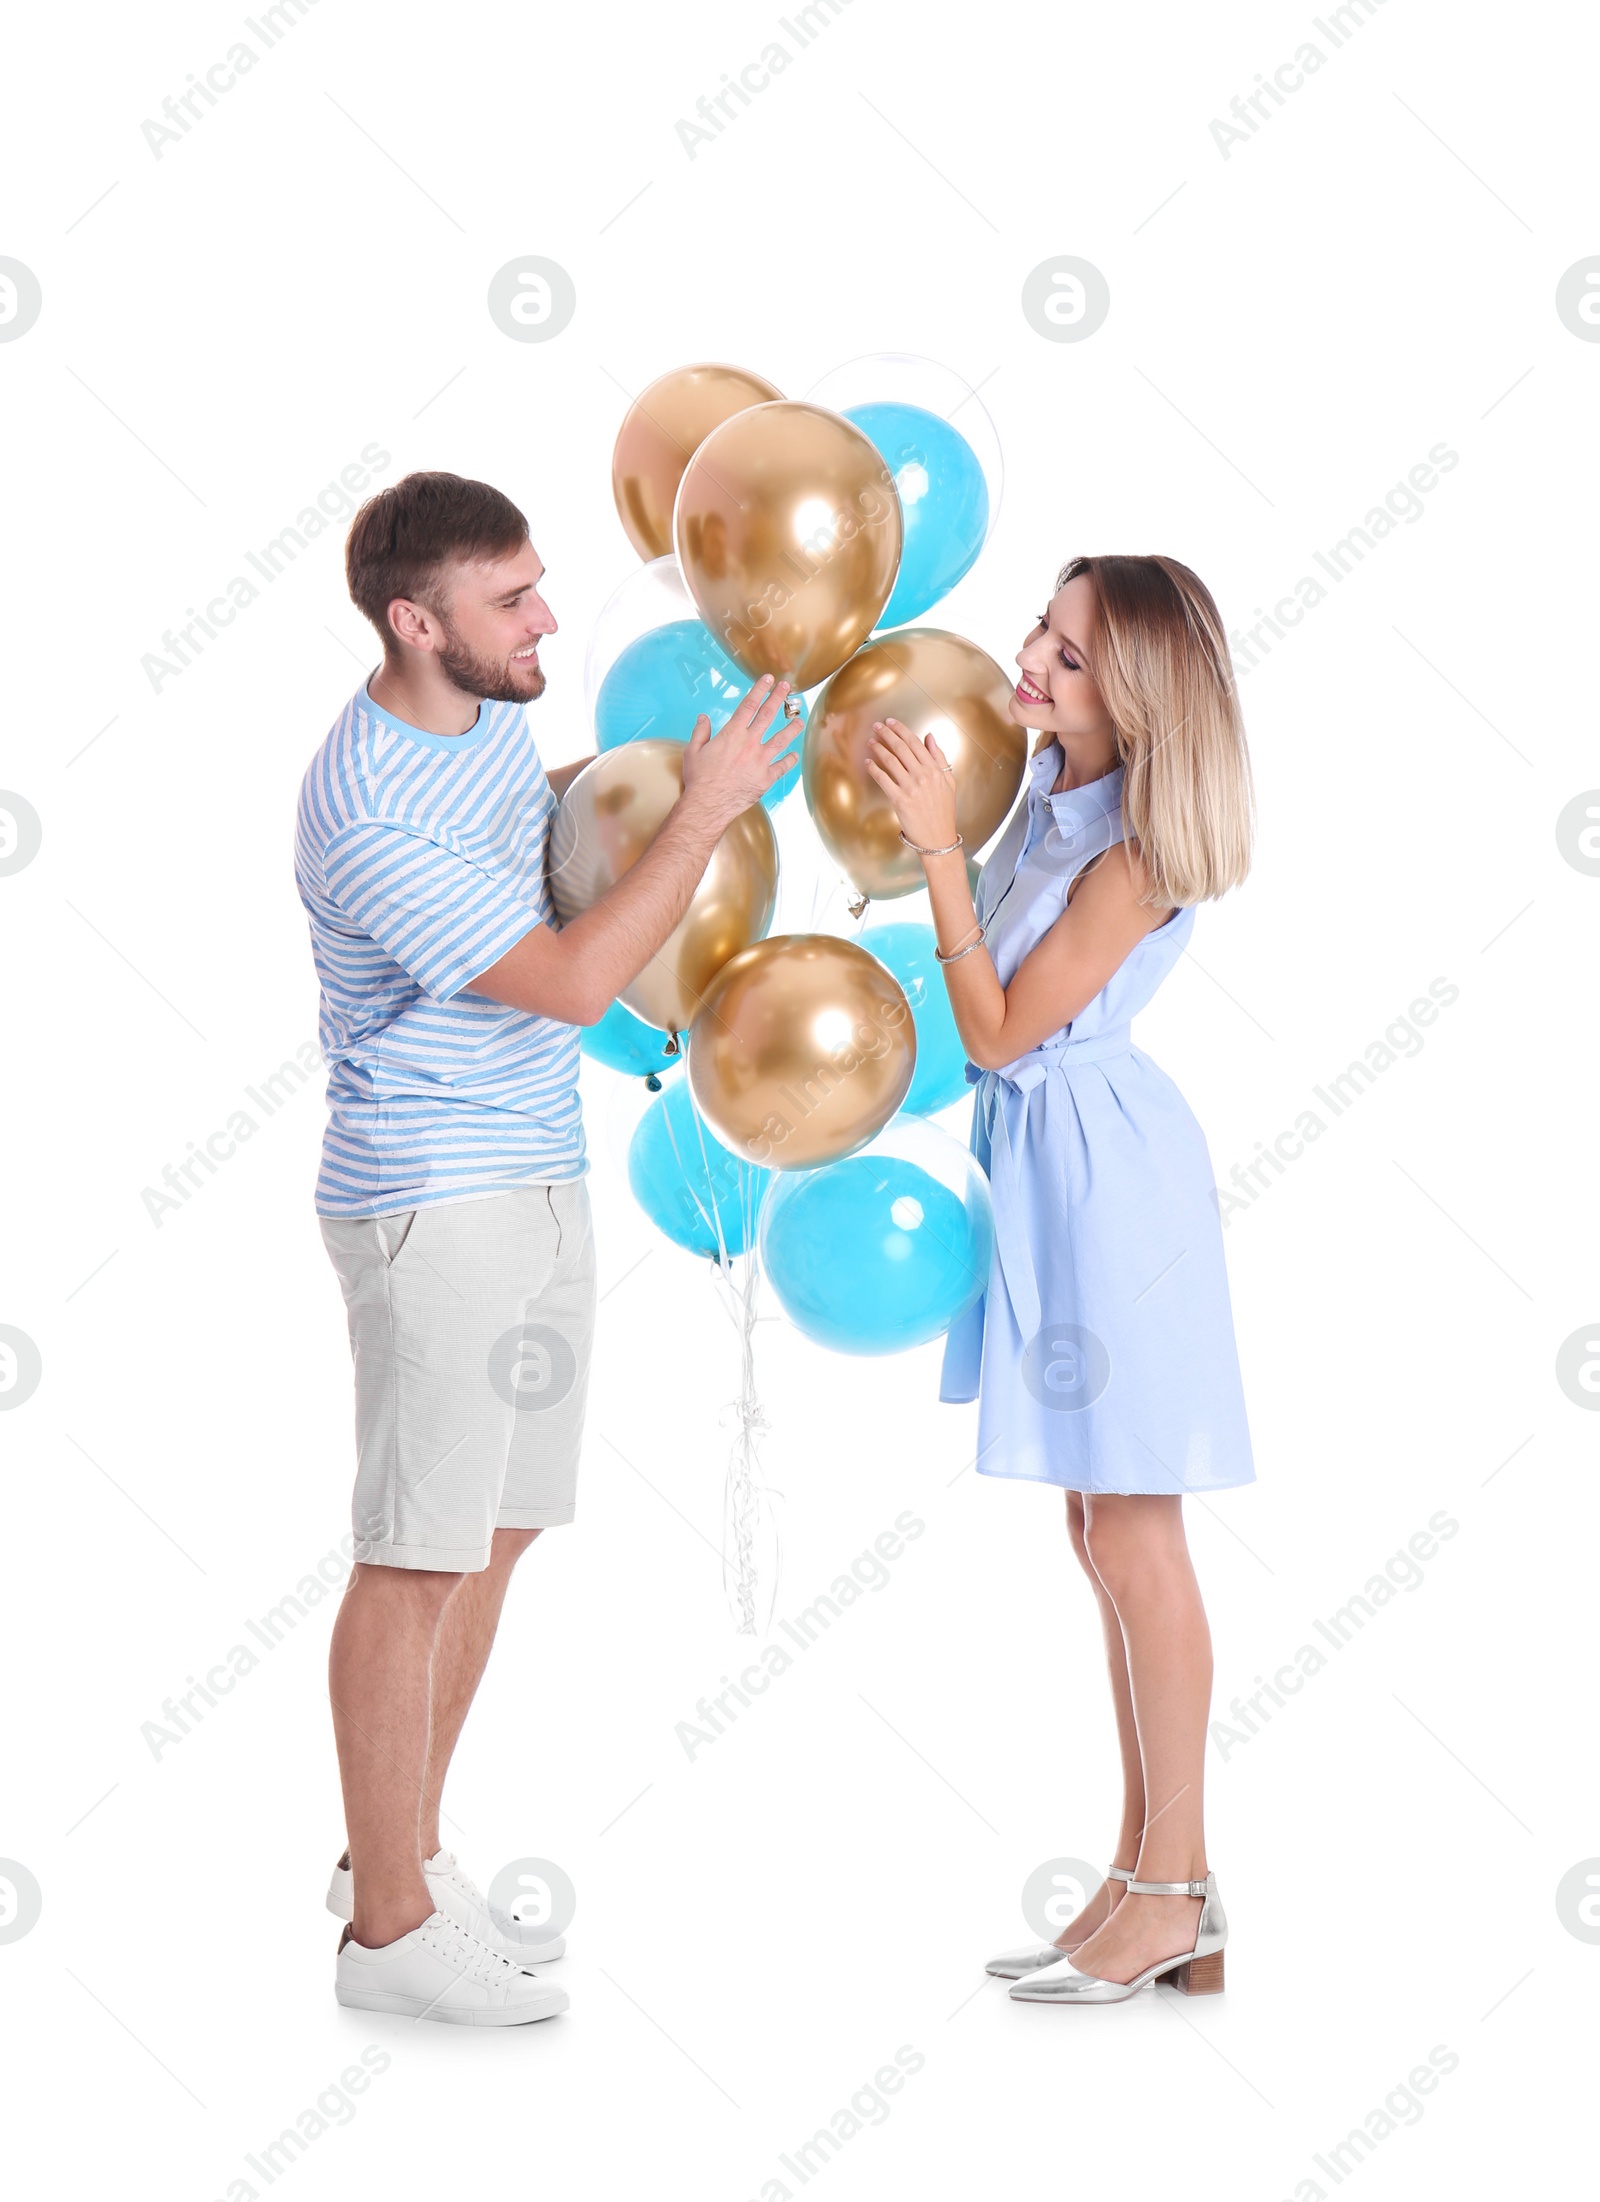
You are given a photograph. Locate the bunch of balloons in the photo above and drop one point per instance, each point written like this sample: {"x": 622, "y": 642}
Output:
{"x": 808, "y": 541}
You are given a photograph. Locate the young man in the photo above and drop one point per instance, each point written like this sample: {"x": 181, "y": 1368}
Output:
{"x": 451, "y": 1192}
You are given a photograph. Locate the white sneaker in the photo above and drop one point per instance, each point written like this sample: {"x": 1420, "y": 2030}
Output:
{"x": 439, "y": 1971}
{"x": 460, "y": 1899}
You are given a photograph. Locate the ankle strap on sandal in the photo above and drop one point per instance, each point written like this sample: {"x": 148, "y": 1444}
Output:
{"x": 1119, "y": 1873}
{"x": 1166, "y": 1888}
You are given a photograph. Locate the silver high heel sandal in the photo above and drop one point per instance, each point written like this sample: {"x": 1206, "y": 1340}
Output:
{"x": 1197, "y": 1972}
{"x": 1015, "y": 1964}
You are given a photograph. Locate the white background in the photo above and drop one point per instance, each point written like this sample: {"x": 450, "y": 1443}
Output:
{"x": 1372, "y": 273}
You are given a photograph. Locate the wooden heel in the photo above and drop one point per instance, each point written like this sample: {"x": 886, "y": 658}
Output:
{"x": 1201, "y": 1976}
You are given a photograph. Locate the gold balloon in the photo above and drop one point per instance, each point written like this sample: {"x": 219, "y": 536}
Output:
{"x": 665, "y": 425}
{"x": 608, "y": 817}
{"x": 932, "y": 682}
{"x": 803, "y": 1049}
{"x": 788, "y": 531}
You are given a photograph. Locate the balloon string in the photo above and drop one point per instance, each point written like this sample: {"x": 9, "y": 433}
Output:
{"x": 712, "y": 1219}
{"x": 745, "y": 1498}
{"x": 742, "y": 1499}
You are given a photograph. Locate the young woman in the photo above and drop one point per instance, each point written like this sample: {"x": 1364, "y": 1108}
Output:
{"x": 1103, "y": 1354}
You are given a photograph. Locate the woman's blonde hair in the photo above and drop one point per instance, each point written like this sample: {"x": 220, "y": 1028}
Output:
{"x": 1159, "y": 657}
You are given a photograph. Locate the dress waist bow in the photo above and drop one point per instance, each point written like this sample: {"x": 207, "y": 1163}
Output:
{"x": 1003, "y": 1103}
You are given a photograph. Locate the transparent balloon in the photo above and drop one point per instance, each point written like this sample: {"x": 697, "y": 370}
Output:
{"x": 905, "y": 378}
{"x": 652, "y": 667}
{"x": 653, "y": 595}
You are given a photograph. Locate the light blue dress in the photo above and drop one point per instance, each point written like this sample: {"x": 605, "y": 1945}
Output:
{"x": 1102, "y": 1354}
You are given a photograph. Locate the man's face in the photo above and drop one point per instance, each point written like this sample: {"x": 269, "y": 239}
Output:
{"x": 490, "y": 626}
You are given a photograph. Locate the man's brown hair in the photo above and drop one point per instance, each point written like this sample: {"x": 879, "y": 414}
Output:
{"x": 401, "y": 541}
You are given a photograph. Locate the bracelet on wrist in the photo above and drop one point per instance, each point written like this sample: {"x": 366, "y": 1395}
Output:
{"x": 949, "y": 848}
{"x": 969, "y": 942}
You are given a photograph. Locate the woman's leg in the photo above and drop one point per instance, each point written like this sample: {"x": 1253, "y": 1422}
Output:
{"x": 1105, "y": 1900}
{"x": 1137, "y": 1548}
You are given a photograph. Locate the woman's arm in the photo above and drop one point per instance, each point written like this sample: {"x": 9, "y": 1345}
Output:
{"x": 1103, "y": 922}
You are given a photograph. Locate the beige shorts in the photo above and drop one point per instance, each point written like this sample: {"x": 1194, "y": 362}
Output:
{"x": 471, "y": 1325}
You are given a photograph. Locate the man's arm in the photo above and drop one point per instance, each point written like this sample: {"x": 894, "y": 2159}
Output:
{"x": 561, "y": 777}
{"x": 576, "y": 974}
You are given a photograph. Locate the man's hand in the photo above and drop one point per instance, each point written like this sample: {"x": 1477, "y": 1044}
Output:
{"x": 575, "y": 973}
{"x": 726, "y": 775}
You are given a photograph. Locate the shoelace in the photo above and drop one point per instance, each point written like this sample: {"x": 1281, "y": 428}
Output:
{"x": 465, "y": 1954}
{"x": 462, "y": 1883}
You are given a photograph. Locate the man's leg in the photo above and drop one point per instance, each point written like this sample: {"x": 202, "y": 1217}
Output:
{"x": 378, "y": 1679}
{"x": 466, "y": 1633}
{"x": 547, "y": 1248}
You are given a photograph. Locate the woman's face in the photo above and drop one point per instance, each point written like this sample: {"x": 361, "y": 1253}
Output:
{"x": 1056, "y": 692}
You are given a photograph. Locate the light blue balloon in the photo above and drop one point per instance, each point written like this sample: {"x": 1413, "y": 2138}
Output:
{"x": 661, "y": 683}
{"x": 944, "y": 501}
{"x": 873, "y": 1254}
{"x": 687, "y": 1183}
{"x": 625, "y": 1042}
{"x": 941, "y": 1073}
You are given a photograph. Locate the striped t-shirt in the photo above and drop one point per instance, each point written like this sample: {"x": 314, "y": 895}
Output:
{"x": 420, "y": 860}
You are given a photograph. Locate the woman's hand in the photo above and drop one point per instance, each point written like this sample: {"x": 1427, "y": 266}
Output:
{"x": 918, "y": 781}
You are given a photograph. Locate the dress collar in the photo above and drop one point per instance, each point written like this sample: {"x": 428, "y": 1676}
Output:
{"x": 1081, "y": 805}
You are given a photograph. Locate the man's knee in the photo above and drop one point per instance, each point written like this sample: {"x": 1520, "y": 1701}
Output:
{"x": 416, "y": 1589}
{"x": 509, "y": 1546}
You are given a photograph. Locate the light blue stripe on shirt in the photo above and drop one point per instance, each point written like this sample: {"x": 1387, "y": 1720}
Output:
{"x": 420, "y": 860}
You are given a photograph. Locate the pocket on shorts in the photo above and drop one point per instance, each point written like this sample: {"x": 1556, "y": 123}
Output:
{"x": 571, "y": 1217}
{"x": 394, "y": 1233}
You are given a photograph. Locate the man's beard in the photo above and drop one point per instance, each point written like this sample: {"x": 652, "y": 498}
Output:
{"x": 476, "y": 676}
